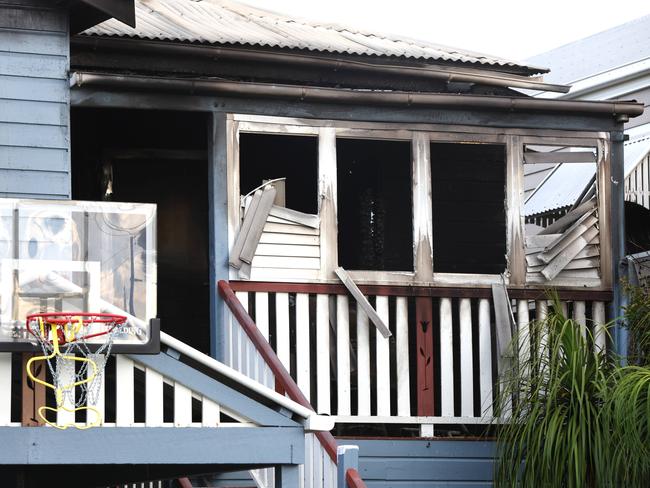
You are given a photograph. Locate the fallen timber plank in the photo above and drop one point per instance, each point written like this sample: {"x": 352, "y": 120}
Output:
{"x": 363, "y": 301}
{"x": 550, "y": 253}
{"x": 566, "y": 220}
{"x": 556, "y": 265}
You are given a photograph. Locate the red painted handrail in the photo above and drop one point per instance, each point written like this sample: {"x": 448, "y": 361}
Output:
{"x": 282, "y": 376}
{"x": 484, "y": 291}
{"x": 354, "y": 479}
{"x": 184, "y": 483}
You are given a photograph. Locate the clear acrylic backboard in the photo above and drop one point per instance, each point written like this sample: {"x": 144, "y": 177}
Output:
{"x": 76, "y": 256}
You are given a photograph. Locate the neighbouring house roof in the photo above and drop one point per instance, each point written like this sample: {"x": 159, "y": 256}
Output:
{"x": 227, "y": 22}
{"x": 604, "y": 51}
{"x": 567, "y": 181}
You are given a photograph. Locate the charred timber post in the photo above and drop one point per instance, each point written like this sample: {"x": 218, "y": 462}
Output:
{"x": 335, "y": 95}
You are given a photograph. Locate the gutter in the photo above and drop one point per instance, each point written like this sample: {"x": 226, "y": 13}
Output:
{"x": 442, "y": 73}
{"x": 621, "y": 110}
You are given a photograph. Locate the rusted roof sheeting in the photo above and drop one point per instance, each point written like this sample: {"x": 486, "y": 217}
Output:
{"x": 229, "y": 22}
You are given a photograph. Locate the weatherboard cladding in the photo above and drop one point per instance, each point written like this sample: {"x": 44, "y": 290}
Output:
{"x": 227, "y": 22}
{"x": 34, "y": 98}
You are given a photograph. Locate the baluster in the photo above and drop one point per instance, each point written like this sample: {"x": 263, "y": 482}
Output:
{"x": 485, "y": 356}
{"x": 580, "y": 316}
{"x": 5, "y": 388}
{"x": 262, "y": 322}
{"x": 124, "y": 386}
{"x": 323, "y": 354}
{"x": 153, "y": 398}
{"x": 446, "y": 359}
{"x": 600, "y": 334}
{"x": 98, "y": 389}
{"x": 182, "y": 406}
{"x": 402, "y": 354}
{"x": 343, "y": 354}
{"x": 65, "y": 370}
{"x": 282, "y": 346}
{"x": 363, "y": 362}
{"x": 302, "y": 344}
{"x": 239, "y": 335}
{"x": 383, "y": 361}
{"x": 523, "y": 331}
{"x": 466, "y": 359}
{"x": 210, "y": 413}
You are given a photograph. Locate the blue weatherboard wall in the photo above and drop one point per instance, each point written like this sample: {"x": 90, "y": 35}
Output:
{"x": 34, "y": 100}
{"x": 420, "y": 462}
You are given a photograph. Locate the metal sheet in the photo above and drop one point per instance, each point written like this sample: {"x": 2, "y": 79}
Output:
{"x": 227, "y": 22}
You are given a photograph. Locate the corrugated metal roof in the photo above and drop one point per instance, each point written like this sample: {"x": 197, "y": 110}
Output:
{"x": 229, "y": 22}
{"x": 604, "y": 51}
{"x": 564, "y": 185}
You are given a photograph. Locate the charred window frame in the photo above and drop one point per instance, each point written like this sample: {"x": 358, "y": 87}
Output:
{"x": 421, "y": 138}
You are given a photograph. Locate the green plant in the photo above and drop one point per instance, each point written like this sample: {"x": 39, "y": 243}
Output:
{"x": 551, "y": 403}
{"x": 637, "y": 321}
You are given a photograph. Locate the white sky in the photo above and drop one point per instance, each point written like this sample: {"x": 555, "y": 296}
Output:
{"x": 508, "y": 28}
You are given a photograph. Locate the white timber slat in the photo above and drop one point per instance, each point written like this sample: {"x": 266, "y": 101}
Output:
{"x": 323, "y": 354}
{"x": 302, "y": 344}
{"x": 153, "y": 398}
{"x": 466, "y": 359}
{"x": 485, "y": 357}
{"x": 65, "y": 415}
{"x": 283, "y": 346}
{"x": 210, "y": 413}
{"x": 317, "y": 468}
{"x": 262, "y": 322}
{"x": 309, "y": 461}
{"x": 363, "y": 362}
{"x": 523, "y": 332}
{"x": 402, "y": 355}
{"x": 383, "y": 360}
{"x": 239, "y": 335}
{"x": 446, "y": 359}
{"x": 580, "y": 316}
{"x": 600, "y": 334}
{"x": 98, "y": 401}
{"x": 182, "y": 405}
{"x": 329, "y": 474}
{"x": 5, "y": 388}
{"x": 343, "y": 354}
{"x": 124, "y": 386}
{"x": 541, "y": 309}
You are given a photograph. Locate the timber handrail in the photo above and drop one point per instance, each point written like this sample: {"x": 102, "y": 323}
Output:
{"x": 282, "y": 376}
{"x": 441, "y": 291}
{"x": 353, "y": 479}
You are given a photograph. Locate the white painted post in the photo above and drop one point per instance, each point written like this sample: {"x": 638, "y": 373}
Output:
{"x": 124, "y": 386}
{"x": 323, "y": 354}
{"x": 210, "y": 413}
{"x": 383, "y": 361}
{"x": 446, "y": 359}
{"x": 523, "y": 328}
{"x": 153, "y": 398}
{"x": 343, "y": 354}
{"x": 600, "y": 335}
{"x": 302, "y": 344}
{"x": 466, "y": 359}
{"x": 5, "y": 388}
{"x": 347, "y": 458}
{"x": 282, "y": 345}
{"x": 363, "y": 362}
{"x": 182, "y": 405}
{"x": 580, "y": 316}
{"x": 402, "y": 354}
{"x": 98, "y": 403}
{"x": 485, "y": 357}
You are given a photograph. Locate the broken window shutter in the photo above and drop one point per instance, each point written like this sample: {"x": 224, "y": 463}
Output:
{"x": 250, "y": 232}
{"x": 363, "y": 302}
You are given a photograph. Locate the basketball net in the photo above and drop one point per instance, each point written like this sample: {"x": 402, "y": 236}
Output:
{"x": 77, "y": 372}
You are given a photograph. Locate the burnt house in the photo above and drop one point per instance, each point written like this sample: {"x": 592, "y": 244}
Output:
{"x": 340, "y": 217}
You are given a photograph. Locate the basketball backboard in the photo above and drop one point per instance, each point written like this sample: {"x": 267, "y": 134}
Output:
{"x": 78, "y": 256}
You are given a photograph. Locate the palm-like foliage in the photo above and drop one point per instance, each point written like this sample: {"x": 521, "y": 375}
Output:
{"x": 551, "y": 402}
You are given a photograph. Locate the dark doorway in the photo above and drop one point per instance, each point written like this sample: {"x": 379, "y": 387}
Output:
{"x": 155, "y": 157}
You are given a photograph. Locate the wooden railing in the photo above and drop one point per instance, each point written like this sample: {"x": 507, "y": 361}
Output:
{"x": 250, "y": 353}
{"x": 353, "y": 479}
{"x": 439, "y": 366}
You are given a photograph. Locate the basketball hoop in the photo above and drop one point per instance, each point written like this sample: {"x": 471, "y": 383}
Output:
{"x": 63, "y": 337}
